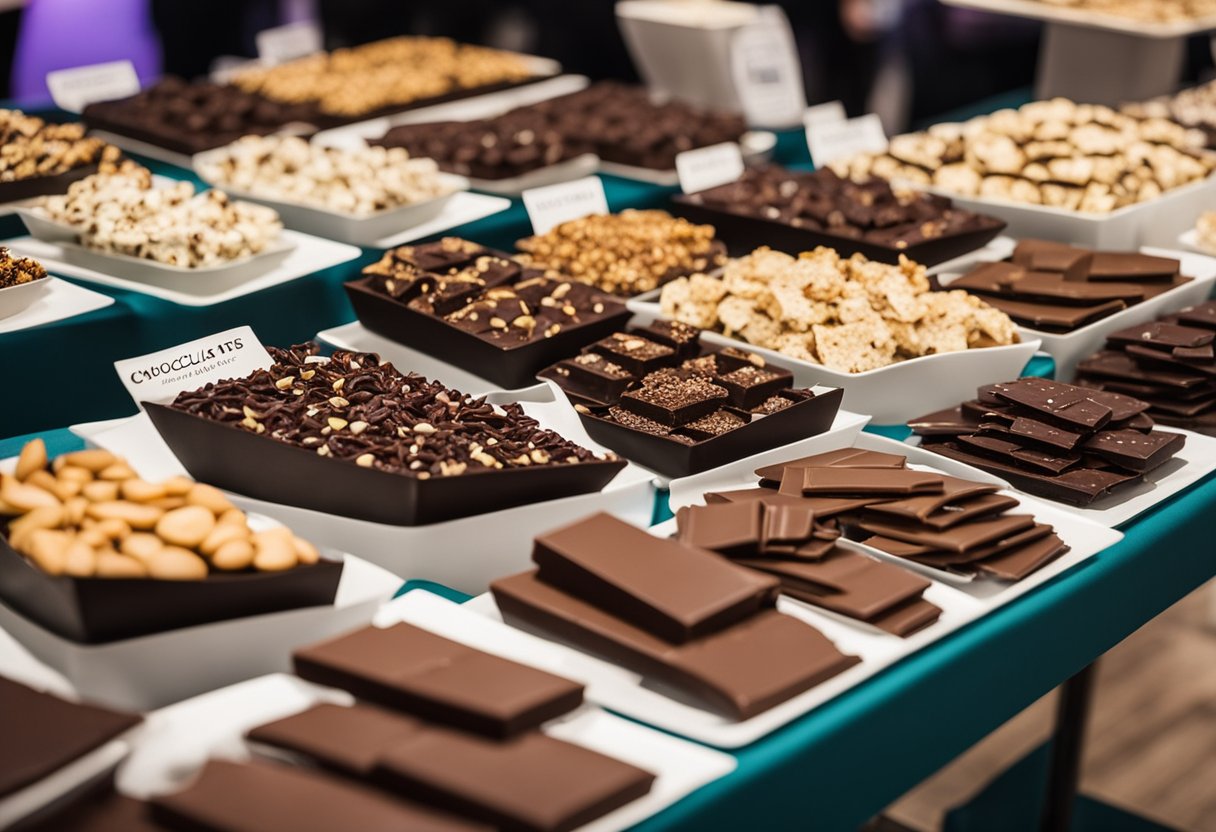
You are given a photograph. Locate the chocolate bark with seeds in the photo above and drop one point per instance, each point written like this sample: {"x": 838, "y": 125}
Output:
{"x": 1134, "y": 450}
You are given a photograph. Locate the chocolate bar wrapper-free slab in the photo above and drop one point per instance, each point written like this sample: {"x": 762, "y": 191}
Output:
{"x": 410, "y": 669}
{"x": 20, "y": 189}
{"x": 100, "y": 610}
{"x": 669, "y": 589}
{"x": 739, "y": 672}
{"x": 673, "y": 458}
{"x": 266, "y": 469}
{"x": 744, "y": 234}
{"x": 511, "y": 368}
{"x": 261, "y": 797}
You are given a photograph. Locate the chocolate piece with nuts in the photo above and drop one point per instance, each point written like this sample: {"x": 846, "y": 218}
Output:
{"x": 15, "y": 271}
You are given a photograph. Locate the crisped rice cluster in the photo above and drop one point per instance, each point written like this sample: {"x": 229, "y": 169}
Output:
{"x": 850, "y": 315}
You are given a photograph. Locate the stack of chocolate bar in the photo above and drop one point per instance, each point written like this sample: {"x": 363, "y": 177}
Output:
{"x": 674, "y": 613}
{"x": 780, "y": 537}
{"x": 874, "y": 498}
{"x": 1169, "y": 363}
{"x": 1059, "y": 441}
{"x": 652, "y": 394}
{"x": 1056, "y": 287}
{"x": 443, "y": 737}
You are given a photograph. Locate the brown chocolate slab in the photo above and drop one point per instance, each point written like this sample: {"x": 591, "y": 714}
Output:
{"x": 954, "y": 490}
{"x": 108, "y": 811}
{"x": 674, "y": 591}
{"x": 1200, "y": 315}
{"x": 1046, "y": 255}
{"x": 787, "y": 524}
{"x": 951, "y": 560}
{"x": 727, "y": 528}
{"x": 1054, "y": 317}
{"x": 739, "y": 672}
{"x": 1081, "y": 486}
{"x": 1114, "y": 265}
{"x": 1063, "y": 402}
{"x": 876, "y": 481}
{"x": 41, "y": 733}
{"x": 840, "y": 458}
{"x": 1019, "y": 453}
{"x": 532, "y": 782}
{"x": 1150, "y": 357}
{"x": 1121, "y": 366}
{"x": 847, "y": 582}
{"x": 260, "y": 797}
{"x": 1036, "y": 432}
{"x": 1162, "y": 335}
{"x": 1195, "y": 355}
{"x": 1016, "y": 564}
{"x": 953, "y": 421}
{"x": 1135, "y": 450}
{"x": 1055, "y": 287}
{"x": 908, "y": 618}
{"x": 961, "y": 539}
{"x": 957, "y": 512}
{"x": 407, "y": 668}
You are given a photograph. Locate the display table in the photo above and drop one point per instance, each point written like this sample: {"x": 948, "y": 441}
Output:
{"x": 845, "y": 761}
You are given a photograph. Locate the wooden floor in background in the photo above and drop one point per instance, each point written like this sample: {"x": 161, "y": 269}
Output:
{"x": 1151, "y": 745}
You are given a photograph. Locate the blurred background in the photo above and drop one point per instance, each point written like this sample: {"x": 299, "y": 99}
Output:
{"x": 908, "y": 60}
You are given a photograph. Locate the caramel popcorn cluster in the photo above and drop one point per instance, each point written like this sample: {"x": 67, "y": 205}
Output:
{"x": 1079, "y": 157}
{"x": 17, "y": 270}
{"x": 850, "y": 315}
{"x": 122, "y": 212}
{"x": 628, "y": 253}
{"x": 30, "y": 148}
{"x": 388, "y": 73}
{"x": 358, "y": 182}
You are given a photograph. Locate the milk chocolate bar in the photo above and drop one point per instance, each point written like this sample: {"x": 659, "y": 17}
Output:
{"x": 739, "y": 672}
{"x": 261, "y": 797}
{"x": 631, "y": 574}
{"x": 107, "y": 811}
{"x": 530, "y": 782}
{"x": 410, "y": 669}
{"x": 43, "y": 733}
{"x": 1056, "y": 287}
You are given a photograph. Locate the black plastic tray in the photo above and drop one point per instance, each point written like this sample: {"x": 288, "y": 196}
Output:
{"x": 511, "y": 368}
{"x": 672, "y": 458}
{"x": 43, "y": 185}
{"x": 743, "y": 234}
{"x": 99, "y": 610}
{"x": 266, "y": 469}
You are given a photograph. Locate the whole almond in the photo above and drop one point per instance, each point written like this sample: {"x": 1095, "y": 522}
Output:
{"x": 111, "y": 564}
{"x": 209, "y": 497}
{"x": 74, "y": 509}
{"x": 273, "y": 553}
{"x": 233, "y": 555}
{"x": 100, "y": 492}
{"x": 305, "y": 551}
{"x": 139, "y": 491}
{"x": 74, "y": 473}
{"x": 178, "y": 486}
{"x": 79, "y": 560}
{"x": 42, "y": 478}
{"x": 221, "y": 534}
{"x": 93, "y": 460}
{"x": 174, "y": 563}
{"x": 46, "y": 548}
{"x": 117, "y": 472}
{"x": 31, "y": 459}
{"x": 25, "y": 497}
{"x": 141, "y": 545}
{"x": 114, "y": 528}
{"x": 67, "y": 489}
{"x": 187, "y": 526}
{"x": 168, "y": 503}
{"x": 136, "y": 515}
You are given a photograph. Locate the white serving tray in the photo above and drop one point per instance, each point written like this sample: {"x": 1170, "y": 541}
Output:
{"x": 1070, "y": 348}
{"x": 354, "y": 336}
{"x": 1053, "y": 13}
{"x": 308, "y": 254}
{"x": 463, "y": 208}
{"x": 57, "y": 300}
{"x": 356, "y": 229}
{"x": 1195, "y": 461}
{"x": 1157, "y": 222}
{"x": 1190, "y": 241}
{"x": 478, "y": 624}
{"x": 16, "y": 299}
{"x": 466, "y": 553}
{"x": 897, "y": 392}
{"x": 180, "y": 738}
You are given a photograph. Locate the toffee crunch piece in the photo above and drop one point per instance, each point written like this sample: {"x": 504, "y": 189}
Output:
{"x": 410, "y": 669}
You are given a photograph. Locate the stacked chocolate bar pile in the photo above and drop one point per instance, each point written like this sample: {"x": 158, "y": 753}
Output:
{"x": 1059, "y": 441}
{"x": 872, "y": 497}
{"x": 450, "y": 734}
{"x": 780, "y": 537}
{"x": 1169, "y": 363}
{"x": 677, "y": 614}
{"x": 1056, "y": 287}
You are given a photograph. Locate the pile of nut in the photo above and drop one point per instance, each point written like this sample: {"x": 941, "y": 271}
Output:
{"x": 1080, "y": 157}
{"x": 388, "y": 73}
{"x": 1194, "y": 107}
{"x": 357, "y": 182}
{"x": 123, "y": 212}
{"x": 628, "y": 253}
{"x": 849, "y": 315}
{"x": 1149, "y": 11}
{"x": 88, "y": 515}
{"x": 29, "y": 147}
{"x": 17, "y": 270}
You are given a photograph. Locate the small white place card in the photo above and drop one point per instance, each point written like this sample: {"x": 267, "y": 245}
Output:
{"x": 74, "y": 88}
{"x": 160, "y": 376}
{"x": 707, "y": 167}
{"x": 829, "y": 112}
{"x": 290, "y": 41}
{"x": 841, "y": 139}
{"x": 555, "y": 204}
{"x": 767, "y": 71}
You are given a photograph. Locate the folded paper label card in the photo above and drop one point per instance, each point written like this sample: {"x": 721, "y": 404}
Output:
{"x": 767, "y": 71}
{"x": 160, "y": 376}
{"x": 832, "y": 140}
{"x": 288, "y": 42}
{"x": 709, "y": 167}
{"x": 73, "y": 88}
{"x": 553, "y": 205}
